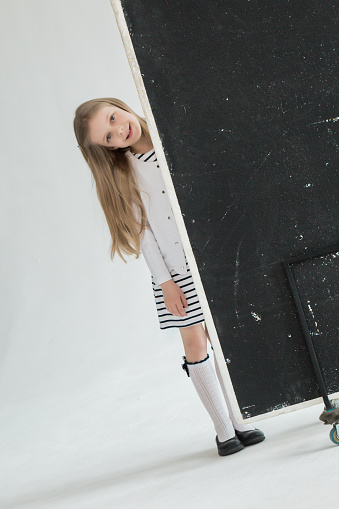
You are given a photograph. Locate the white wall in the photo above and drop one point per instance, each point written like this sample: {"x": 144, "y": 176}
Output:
{"x": 69, "y": 314}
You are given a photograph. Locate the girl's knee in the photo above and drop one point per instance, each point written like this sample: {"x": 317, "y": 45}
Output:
{"x": 195, "y": 343}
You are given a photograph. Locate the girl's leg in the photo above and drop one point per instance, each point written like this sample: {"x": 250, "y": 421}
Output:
{"x": 195, "y": 342}
{"x": 238, "y": 427}
{"x": 200, "y": 369}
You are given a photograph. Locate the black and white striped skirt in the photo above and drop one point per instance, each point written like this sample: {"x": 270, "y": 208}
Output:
{"x": 194, "y": 311}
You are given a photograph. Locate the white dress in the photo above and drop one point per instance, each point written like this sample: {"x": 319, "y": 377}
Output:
{"x": 183, "y": 279}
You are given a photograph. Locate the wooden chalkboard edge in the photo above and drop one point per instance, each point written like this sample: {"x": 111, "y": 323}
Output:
{"x": 279, "y": 409}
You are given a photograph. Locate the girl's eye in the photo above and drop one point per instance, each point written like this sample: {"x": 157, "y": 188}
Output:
{"x": 112, "y": 117}
{"x": 108, "y": 138}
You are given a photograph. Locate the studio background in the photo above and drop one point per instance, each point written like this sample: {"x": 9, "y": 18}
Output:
{"x": 75, "y": 326}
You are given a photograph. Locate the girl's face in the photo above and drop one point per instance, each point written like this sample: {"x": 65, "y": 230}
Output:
{"x": 114, "y": 128}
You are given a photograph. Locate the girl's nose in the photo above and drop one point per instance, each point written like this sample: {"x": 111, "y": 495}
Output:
{"x": 119, "y": 131}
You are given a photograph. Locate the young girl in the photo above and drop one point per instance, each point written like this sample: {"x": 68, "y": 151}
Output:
{"x": 117, "y": 147}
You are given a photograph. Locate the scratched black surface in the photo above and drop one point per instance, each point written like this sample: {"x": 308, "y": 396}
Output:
{"x": 317, "y": 280}
{"x": 243, "y": 94}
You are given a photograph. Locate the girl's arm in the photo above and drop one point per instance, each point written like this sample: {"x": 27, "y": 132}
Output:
{"x": 174, "y": 297}
{"x": 154, "y": 259}
{"x": 151, "y": 251}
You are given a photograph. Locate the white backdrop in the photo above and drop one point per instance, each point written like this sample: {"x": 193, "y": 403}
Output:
{"x": 69, "y": 314}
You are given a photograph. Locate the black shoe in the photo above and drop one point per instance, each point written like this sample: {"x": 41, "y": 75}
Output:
{"x": 253, "y": 436}
{"x": 229, "y": 446}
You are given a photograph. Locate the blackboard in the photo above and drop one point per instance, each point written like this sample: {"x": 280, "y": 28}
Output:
{"x": 243, "y": 94}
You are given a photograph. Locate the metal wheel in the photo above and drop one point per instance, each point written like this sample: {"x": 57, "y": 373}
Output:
{"x": 334, "y": 436}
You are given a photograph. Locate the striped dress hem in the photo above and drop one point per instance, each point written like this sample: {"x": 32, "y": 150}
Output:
{"x": 193, "y": 310}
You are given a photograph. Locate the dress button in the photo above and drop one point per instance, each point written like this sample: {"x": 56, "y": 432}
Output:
{"x": 177, "y": 242}
{"x": 158, "y": 166}
{"x": 169, "y": 217}
{"x": 163, "y": 191}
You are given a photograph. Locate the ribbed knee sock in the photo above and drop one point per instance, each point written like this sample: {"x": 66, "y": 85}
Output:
{"x": 206, "y": 384}
{"x": 238, "y": 427}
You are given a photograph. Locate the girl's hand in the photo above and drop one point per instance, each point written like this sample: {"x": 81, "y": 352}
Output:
{"x": 174, "y": 298}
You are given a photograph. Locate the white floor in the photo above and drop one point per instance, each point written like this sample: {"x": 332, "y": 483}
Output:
{"x": 139, "y": 438}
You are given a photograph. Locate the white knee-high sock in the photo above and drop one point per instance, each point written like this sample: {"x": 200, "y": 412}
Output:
{"x": 206, "y": 384}
{"x": 238, "y": 427}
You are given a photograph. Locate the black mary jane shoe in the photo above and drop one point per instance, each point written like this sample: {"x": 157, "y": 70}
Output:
{"x": 229, "y": 446}
{"x": 253, "y": 436}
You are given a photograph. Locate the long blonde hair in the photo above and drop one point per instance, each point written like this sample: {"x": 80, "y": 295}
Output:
{"x": 116, "y": 186}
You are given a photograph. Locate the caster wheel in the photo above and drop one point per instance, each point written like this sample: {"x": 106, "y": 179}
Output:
{"x": 334, "y": 436}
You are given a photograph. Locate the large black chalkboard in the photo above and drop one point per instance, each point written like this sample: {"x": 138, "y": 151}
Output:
{"x": 243, "y": 95}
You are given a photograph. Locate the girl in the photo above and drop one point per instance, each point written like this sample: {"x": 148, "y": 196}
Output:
{"x": 117, "y": 147}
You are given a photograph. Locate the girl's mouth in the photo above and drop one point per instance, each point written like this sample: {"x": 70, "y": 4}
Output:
{"x": 130, "y": 132}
